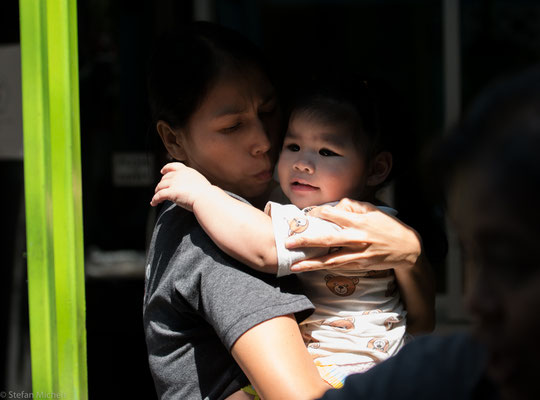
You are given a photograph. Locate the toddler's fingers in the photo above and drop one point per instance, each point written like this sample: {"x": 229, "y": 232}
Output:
{"x": 163, "y": 184}
{"x": 155, "y": 200}
{"x": 160, "y": 196}
{"x": 173, "y": 166}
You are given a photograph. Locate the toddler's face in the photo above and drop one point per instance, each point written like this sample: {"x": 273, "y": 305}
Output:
{"x": 320, "y": 163}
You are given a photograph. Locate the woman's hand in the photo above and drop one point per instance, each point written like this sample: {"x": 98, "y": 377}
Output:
{"x": 370, "y": 238}
{"x": 180, "y": 184}
{"x": 373, "y": 240}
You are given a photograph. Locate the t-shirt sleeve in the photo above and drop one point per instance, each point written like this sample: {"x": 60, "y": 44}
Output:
{"x": 289, "y": 220}
{"x": 230, "y": 296}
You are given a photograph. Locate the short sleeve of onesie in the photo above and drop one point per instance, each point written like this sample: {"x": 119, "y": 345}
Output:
{"x": 289, "y": 220}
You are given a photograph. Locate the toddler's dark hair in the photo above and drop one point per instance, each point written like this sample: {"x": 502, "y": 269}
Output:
{"x": 184, "y": 65}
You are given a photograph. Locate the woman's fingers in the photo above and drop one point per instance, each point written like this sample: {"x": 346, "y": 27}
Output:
{"x": 358, "y": 207}
{"x": 338, "y": 216}
{"x": 296, "y": 241}
{"x": 346, "y": 238}
{"x": 338, "y": 258}
{"x": 347, "y": 213}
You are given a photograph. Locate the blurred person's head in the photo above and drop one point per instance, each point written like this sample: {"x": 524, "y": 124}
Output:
{"x": 493, "y": 181}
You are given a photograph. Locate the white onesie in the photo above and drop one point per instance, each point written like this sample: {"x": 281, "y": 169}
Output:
{"x": 359, "y": 319}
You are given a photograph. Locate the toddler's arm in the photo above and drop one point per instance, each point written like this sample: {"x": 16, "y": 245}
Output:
{"x": 240, "y": 230}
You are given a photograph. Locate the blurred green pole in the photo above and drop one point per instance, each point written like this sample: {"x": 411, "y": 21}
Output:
{"x": 53, "y": 195}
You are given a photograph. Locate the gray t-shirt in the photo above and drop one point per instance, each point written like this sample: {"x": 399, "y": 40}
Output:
{"x": 198, "y": 302}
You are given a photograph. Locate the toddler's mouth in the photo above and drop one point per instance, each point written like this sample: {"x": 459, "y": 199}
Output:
{"x": 300, "y": 185}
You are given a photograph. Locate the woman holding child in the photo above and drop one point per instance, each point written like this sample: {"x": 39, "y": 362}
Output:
{"x": 217, "y": 111}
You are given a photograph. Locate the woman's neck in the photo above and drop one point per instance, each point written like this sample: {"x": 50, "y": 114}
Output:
{"x": 272, "y": 193}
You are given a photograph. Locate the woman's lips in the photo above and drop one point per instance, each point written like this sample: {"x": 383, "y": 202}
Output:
{"x": 264, "y": 176}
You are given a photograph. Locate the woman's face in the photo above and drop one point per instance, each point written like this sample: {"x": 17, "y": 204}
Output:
{"x": 232, "y": 137}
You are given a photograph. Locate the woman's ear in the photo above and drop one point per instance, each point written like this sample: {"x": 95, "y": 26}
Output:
{"x": 173, "y": 140}
{"x": 381, "y": 165}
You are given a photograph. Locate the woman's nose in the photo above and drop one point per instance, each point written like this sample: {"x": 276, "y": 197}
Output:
{"x": 304, "y": 165}
{"x": 260, "y": 141}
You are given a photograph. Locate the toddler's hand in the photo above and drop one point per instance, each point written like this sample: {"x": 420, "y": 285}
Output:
{"x": 180, "y": 184}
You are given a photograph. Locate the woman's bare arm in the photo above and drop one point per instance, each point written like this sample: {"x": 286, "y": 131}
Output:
{"x": 275, "y": 359}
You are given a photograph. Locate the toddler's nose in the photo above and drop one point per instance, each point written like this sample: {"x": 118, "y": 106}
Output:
{"x": 304, "y": 166}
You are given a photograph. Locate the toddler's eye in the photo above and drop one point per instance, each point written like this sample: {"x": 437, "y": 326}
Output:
{"x": 327, "y": 153}
{"x": 293, "y": 147}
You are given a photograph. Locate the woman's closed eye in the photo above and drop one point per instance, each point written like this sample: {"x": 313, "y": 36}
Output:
{"x": 232, "y": 128}
{"x": 328, "y": 153}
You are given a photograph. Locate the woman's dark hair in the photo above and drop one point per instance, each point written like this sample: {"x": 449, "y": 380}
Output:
{"x": 367, "y": 104}
{"x": 184, "y": 65}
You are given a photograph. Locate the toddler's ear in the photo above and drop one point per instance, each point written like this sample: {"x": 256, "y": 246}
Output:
{"x": 173, "y": 140}
{"x": 380, "y": 167}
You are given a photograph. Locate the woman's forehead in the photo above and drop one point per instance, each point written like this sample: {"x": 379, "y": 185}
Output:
{"x": 234, "y": 93}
